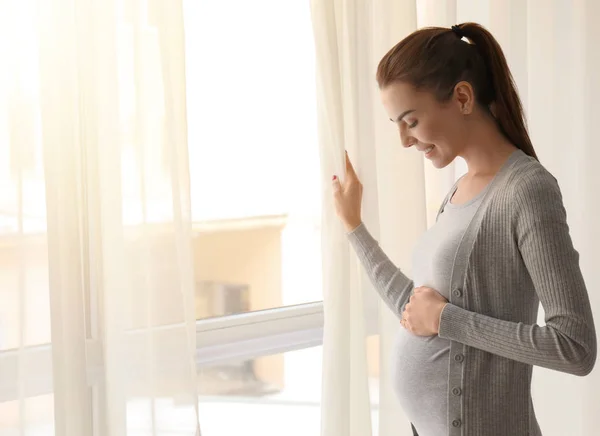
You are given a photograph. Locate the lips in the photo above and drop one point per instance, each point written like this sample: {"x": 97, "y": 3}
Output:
{"x": 426, "y": 150}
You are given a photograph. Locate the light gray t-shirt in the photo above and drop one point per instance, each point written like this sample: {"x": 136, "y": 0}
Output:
{"x": 420, "y": 364}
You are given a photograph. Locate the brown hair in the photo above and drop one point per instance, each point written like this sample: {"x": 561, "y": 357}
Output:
{"x": 436, "y": 59}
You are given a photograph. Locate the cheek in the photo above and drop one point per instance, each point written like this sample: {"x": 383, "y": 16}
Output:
{"x": 430, "y": 132}
{"x": 439, "y": 132}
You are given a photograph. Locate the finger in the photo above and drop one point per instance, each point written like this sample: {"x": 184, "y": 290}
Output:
{"x": 349, "y": 168}
{"x": 337, "y": 187}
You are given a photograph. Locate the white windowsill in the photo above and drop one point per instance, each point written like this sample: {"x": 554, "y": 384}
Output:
{"x": 222, "y": 339}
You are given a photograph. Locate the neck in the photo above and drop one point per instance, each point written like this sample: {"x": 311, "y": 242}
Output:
{"x": 487, "y": 148}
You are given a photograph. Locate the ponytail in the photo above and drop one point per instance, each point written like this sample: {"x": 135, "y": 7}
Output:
{"x": 437, "y": 58}
{"x": 508, "y": 108}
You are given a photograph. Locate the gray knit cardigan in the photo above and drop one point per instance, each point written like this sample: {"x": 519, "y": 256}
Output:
{"x": 516, "y": 253}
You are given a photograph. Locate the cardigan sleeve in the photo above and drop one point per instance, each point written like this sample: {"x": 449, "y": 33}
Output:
{"x": 567, "y": 342}
{"x": 389, "y": 282}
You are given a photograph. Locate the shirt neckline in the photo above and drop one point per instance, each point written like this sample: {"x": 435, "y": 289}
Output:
{"x": 513, "y": 156}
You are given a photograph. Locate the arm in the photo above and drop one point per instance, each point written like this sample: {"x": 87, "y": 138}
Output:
{"x": 393, "y": 286}
{"x": 568, "y": 340}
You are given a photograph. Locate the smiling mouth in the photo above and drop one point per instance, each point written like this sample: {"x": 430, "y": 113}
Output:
{"x": 428, "y": 149}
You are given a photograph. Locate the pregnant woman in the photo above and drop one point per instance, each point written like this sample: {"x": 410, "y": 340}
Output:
{"x": 468, "y": 338}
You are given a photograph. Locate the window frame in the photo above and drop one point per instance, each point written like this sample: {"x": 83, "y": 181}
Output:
{"x": 218, "y": 340}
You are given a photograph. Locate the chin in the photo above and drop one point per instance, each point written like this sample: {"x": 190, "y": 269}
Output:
{"x": 440, "y": 163}
{"x": 441, "y": 160}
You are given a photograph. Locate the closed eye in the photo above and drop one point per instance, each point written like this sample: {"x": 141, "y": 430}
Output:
{"x": 413, "y": 124}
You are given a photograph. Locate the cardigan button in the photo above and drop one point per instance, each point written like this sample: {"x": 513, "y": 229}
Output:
{"x": 459, "y": 358}
{"x": 456, "y": 423}
{"x": 456, "y": 392}
{"x": 457, "y": 293}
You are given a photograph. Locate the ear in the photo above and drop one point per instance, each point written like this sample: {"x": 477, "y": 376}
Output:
{"x": 464, "y": 97}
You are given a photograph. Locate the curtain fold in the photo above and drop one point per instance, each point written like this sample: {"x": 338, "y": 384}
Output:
{"x": 345, "y": 389}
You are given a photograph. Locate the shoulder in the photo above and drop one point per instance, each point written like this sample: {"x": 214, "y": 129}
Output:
{"x": 531, "y": 177}
{"x": 534, "y": 192}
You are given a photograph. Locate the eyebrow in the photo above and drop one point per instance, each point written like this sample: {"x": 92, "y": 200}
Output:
{"x": 402, "y": 115}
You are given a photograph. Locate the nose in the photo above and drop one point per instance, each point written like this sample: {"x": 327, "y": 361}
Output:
{"x": 405, "y": 139}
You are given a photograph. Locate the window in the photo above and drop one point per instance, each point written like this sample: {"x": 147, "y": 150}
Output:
{"x": 253, "y": 155}
{"x": 256, "y": 199}
{"x": 256, "y": 204}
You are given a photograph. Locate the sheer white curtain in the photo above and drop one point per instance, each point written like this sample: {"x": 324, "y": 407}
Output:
{"x": 350, "y": 38}
{"x": 97, "y": 331}
{"x": 551, "y": 48}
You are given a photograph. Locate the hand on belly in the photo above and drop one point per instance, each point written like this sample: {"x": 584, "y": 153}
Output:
{"x": 421, "y": 315}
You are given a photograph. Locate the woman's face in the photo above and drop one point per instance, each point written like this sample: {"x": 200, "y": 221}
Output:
{"x": 434, "y": 128}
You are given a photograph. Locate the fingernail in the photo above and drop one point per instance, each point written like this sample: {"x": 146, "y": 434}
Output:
{"x": 334, "y": 177}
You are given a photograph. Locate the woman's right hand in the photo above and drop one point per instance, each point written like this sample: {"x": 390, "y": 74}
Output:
{"x": 348, "y": 198}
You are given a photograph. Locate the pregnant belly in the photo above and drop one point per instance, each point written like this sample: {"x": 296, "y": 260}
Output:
{"x": 420, "y": 377}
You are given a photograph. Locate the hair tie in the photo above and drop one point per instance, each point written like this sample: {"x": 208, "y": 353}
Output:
{"x": 457, "y": 31}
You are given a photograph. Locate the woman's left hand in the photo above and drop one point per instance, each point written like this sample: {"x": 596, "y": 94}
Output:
{"x": 421, "y": 315}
